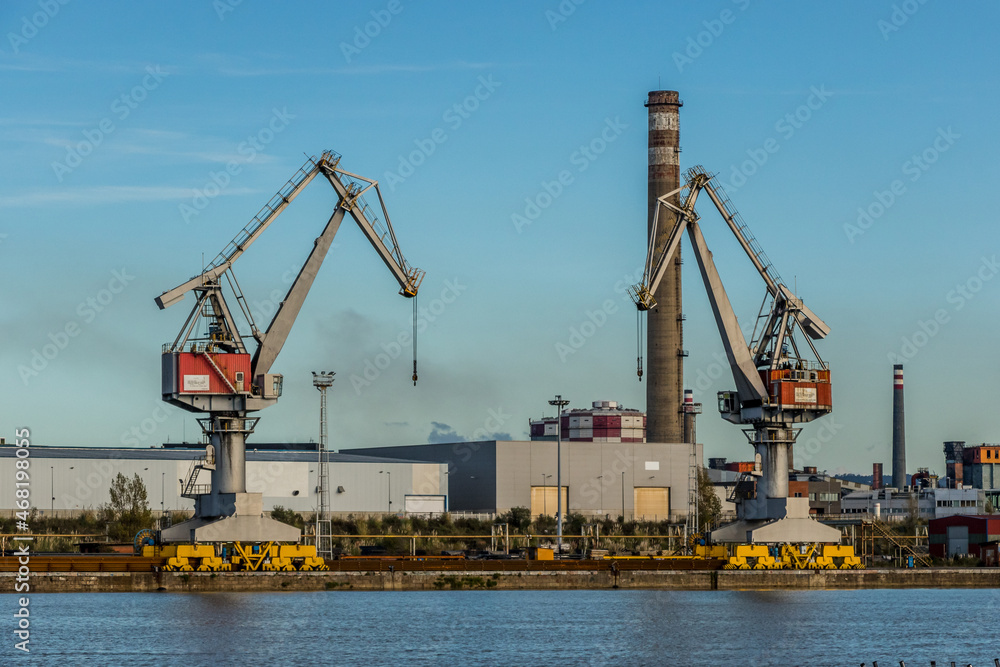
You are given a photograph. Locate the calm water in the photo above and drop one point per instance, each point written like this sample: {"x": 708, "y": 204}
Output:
{"x": 511, "y": 628}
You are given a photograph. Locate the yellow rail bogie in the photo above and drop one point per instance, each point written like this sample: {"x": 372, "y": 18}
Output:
{"x": 752, "y": 556}
{"x": 270, "y": 557}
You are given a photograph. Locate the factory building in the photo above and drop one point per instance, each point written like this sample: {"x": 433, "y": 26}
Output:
{"x": 981, "y": 467}
{"x": 606, "y": 421}
{"x": 964, "y": 535}
{"x": 929, "y": 503}
{"x": 823, "y": 491}
{"x": 638, "y": 479}
{"x": 68, "y": 480}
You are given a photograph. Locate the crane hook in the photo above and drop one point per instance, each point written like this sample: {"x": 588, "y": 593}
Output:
{"x": 638, "y": 343}
{"x": 414, "y": 340}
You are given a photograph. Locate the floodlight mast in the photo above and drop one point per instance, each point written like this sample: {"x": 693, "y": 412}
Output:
{"x": 213, "y": 372}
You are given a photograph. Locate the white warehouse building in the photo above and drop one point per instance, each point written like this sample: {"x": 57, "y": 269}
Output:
{"x": 68, "y": 480}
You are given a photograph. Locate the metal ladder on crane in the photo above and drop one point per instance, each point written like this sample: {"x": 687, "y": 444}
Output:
{"x": 191, "y": 488}
{"x": 738, "y": 221}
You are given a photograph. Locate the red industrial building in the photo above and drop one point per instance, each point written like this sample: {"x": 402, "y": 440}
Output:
{"x": 961, "y": 535}
{"x": 606, "y": 421}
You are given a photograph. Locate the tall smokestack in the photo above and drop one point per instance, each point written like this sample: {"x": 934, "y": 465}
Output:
{"x": 664, "y": 326}
{"x": 691, "y": 412}
{"x": 898, "y": 429}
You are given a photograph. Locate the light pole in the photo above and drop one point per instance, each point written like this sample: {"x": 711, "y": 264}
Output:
{"x": 560, "y": 403}
{"x": 388, "y": 477}
{"x": 545, "y": 496}
{"x": 163, "y": 486}
{"x": 52, "y": 486}
{"x": 324, "y": 545}
{"x": 600, "y": 480}
{"x": 623, "y": 497}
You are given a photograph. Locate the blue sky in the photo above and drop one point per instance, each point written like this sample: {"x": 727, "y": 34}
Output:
{"x": 113, "y": 121}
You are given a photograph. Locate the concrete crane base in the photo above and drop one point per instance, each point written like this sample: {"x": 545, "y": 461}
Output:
{"x": 783, "y": 531}
{"x": 243, "y": 521}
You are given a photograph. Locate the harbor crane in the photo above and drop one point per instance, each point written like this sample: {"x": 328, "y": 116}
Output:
{"x": 211, "y": 370}
{"x": 778, "y": 382}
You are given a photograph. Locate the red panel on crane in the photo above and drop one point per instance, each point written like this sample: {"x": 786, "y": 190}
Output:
{"x": 195, "y": 375}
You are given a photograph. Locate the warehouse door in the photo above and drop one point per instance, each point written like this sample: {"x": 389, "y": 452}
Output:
{"x": 652, "y": 503}
{"x": 544, "y": 501}
{"x": 958, "y": 540}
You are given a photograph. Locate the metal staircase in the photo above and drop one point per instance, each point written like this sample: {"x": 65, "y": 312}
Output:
{"x": 875, "y": 530}
{"x": 191, "y": 488}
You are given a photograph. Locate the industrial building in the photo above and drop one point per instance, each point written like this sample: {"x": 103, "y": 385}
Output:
{"x": 964, "y": 536}
{"x": 639, "y": 480}
{"x": 68, "y": 480}
{"x": 606, "y": 421}
{"x": 823, "y": 491}
{"x": 929, "y": 503}
{"x": 977, "y": 467}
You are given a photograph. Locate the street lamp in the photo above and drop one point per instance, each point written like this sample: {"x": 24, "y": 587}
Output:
{"x": 560, "y": 403}
{"x": 545, "y": 496}
{"x": 623, "y": 497}
{"x": 388, "y": 477}
{"x": 600, "y": 480}
{"x": 52, "y": 486}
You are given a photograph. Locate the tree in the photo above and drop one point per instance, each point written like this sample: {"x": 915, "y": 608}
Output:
{"x": 519, "y": 518}
{"x": 289, "y": 516}
{"x": 128, "y": 512}
{"x": 709, "y": 505}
